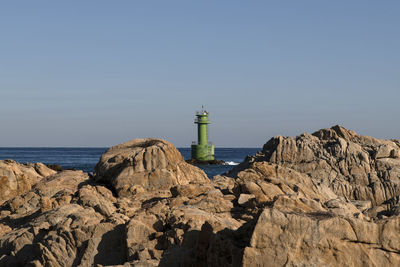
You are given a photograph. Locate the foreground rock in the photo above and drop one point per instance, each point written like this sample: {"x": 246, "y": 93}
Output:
{"x": 16, "y": 178}
{"x": 147, "y": 207}
{"x": 322, "y": 239}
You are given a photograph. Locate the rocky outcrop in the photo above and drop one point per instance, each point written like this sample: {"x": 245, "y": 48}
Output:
{"x": 321, "y": 239}
{"x": 145, "y": 164}
{"x": 61, "y": 222}
{"x": 70, "y": 219}
{"x": 146, "y": 207}
{"x": 353, "y": 166}
{"x": 329, "y": 194}
{"x": 16, "y": 178}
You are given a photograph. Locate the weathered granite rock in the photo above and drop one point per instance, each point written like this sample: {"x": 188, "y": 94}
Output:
{"x": 62, "y": 221}
{"x": 244, "y": 199}
{"x": 147, "y": 207}
{"x": 16, "y": 178}
{"x": 50, "y": 192}
{"x": 68, "y": 219}
{"x": 353, "y": 166}
{"x": 321, "y": 239}
{"x": 148, "y": 164}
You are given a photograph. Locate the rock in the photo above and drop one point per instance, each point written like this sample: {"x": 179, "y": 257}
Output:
{"x": 327, "y": 199}
{"x": 56, "y": 244}
{"x": 63, "y": 221}
{"x": 42, "y": 169}
{"x": 225, "y": 184}
{"x": 353, "y": 166}
{"x": 55, "y": 167}
{"x": 97, "y": 197}
{"x": 148, "y": 163}
{"x": 50, "y": 192}
{"x": 319, "y": 239}
{"x": 191, "y": 190}
{"x": 16, "y": 178}
{"x": 342, "y": 208}
{"x": 266, "y": 181}
{"x": 245, "y": 199}
{"x": 362, "y": 205}
{"x": 137, "y": 236}
{"x": 213, "y": 202}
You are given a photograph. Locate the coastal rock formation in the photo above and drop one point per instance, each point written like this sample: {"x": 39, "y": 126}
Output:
{"x": 56, "y": 221}
{"x": 353, "y": 166}
{"x": 333, "y": 199}
{"x": 16, "y": 178}
{"x": 146, "y": 207}
{"x": 145, "y": 164}
{"x": 322, "y": 239}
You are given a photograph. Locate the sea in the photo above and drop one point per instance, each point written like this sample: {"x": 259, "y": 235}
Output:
{"x": 86, "y": 158}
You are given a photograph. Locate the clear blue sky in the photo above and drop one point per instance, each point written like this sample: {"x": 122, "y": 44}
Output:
{"x": 97, "y": 73}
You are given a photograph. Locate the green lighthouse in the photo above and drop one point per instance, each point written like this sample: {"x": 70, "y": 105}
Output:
{"x": 203, "y": 150}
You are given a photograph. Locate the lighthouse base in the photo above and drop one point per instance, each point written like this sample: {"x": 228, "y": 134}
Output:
{"x": 206, "y": 162}
{"x": 203, "y": 152}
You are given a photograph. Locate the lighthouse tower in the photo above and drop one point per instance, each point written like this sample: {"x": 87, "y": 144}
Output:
{"x": 203, "y": 150}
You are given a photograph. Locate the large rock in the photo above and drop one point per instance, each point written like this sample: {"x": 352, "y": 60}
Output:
{"x": 64, "y": 220}
{"x": 49, "y": 193}
{"x": 282, "y": 207}
{"x": 16, "y": 178}
{"x": 321, "y": 239}
{"x": 353, "y": 166}
{"x": 147, "y": 164}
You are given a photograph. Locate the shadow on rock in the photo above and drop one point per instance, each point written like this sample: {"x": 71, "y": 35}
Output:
{"x": 112, "y": 248}
{"x": 206, "y": 248}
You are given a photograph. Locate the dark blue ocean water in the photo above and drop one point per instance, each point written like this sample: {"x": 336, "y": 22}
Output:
{"x": 86, "y": 158}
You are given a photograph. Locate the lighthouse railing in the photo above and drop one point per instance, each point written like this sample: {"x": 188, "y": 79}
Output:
{"x": 203, "y": 112}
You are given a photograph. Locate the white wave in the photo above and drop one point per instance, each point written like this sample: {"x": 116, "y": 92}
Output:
{"x": 231, "y": 163}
